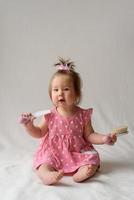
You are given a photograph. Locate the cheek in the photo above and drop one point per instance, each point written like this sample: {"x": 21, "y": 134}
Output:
{"x": 72, "y": 96}
{"x": 53, "y": 96}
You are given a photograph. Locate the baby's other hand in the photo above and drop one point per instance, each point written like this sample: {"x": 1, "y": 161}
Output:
{"x": 110, "y": 139}
{"x": 26, "y": 118}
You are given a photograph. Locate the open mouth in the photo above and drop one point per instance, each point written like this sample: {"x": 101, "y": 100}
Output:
{"x": 61, "y": 100}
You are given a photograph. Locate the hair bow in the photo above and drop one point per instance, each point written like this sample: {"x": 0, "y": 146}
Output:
{"x": 63, "y": 67}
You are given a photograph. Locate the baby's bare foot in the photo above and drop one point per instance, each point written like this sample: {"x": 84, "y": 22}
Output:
{"x": 51, "y": 177}
{"x": 84, "y": 173}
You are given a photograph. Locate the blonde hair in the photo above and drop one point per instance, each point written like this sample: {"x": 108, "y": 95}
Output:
{"x": 74, "y": 76}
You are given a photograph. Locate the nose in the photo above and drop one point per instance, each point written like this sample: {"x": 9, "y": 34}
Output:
{"x": 60, "y": 93}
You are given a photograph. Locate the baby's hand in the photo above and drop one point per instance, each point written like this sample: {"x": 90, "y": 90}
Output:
{"x": 26, "y": 119}
{"x": 110, "y": 139}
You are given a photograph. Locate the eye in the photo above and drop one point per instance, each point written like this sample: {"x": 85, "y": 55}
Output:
{"x": 66, "y": 89}
{"x": 55, "y": 89}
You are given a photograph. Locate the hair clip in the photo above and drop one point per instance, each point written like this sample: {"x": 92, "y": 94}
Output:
{"x": 63, "y": 67}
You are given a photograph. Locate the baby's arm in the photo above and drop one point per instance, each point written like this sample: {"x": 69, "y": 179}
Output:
{"x": 35, "y": 131}
{"x": 97, "y": 138}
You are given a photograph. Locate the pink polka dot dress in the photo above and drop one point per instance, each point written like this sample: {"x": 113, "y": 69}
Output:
{"x": 64, "y": 146}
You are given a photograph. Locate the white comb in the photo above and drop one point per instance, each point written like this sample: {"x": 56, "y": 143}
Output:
{"x": 41, "y": 112}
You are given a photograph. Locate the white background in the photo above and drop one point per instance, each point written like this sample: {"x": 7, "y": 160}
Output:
{"x": 99, "y": 36}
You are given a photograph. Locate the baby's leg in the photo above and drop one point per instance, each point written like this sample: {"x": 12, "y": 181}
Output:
{"x": 84, "y": 173}
{"x": 48, "y": 174}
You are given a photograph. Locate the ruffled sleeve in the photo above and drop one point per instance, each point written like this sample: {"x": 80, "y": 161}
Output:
{"x": 48, "y": 117}
{"x": 87, "y": 113}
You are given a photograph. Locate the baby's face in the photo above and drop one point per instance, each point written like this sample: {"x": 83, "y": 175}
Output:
{"x": 62, "y": 91}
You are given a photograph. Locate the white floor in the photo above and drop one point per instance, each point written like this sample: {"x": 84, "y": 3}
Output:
{"x": 114, "y": 180}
